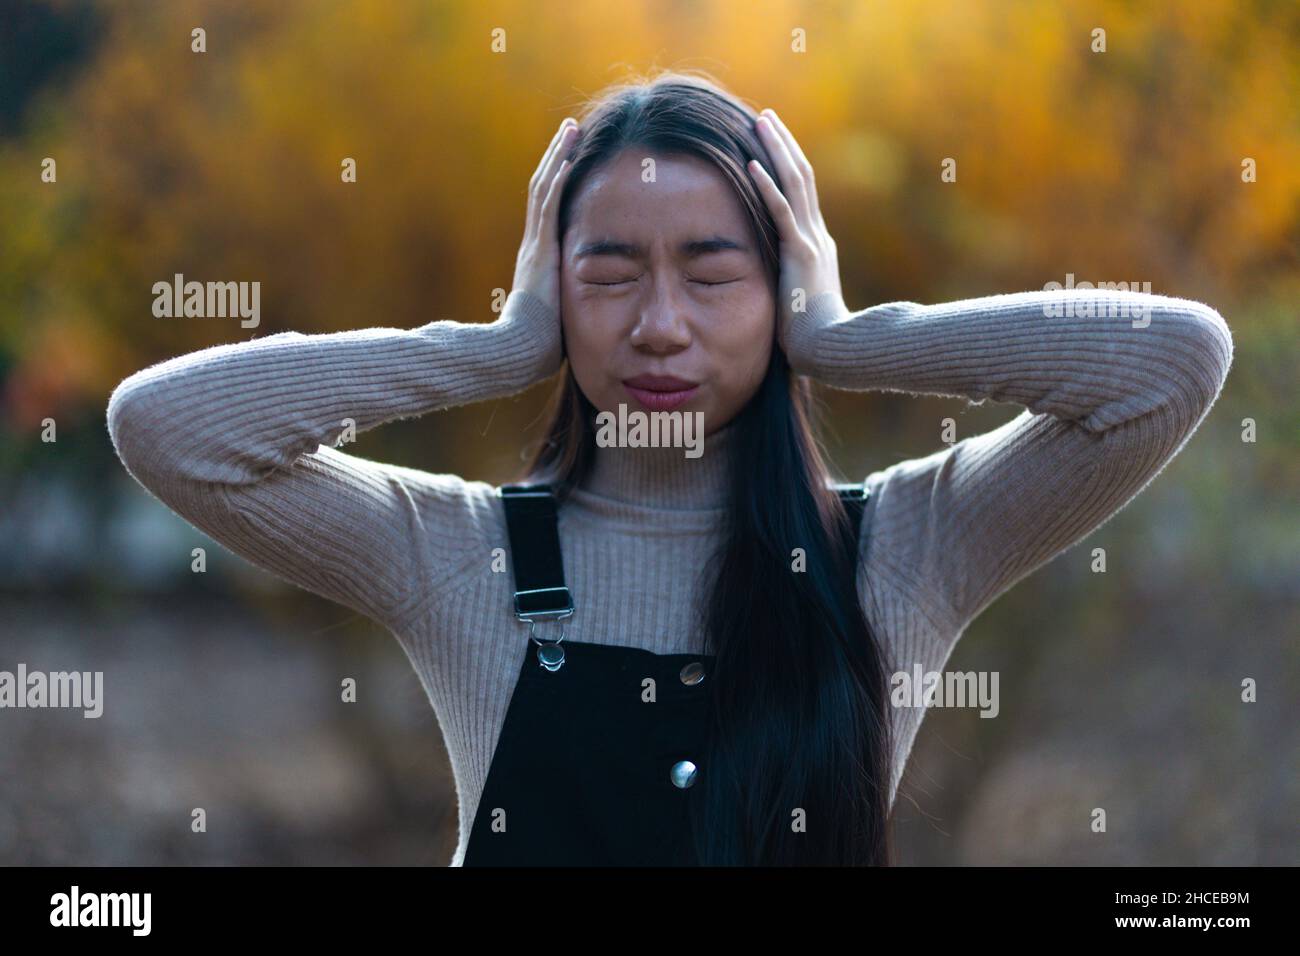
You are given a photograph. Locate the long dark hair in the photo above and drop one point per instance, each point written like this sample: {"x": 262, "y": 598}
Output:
{"x": 798, "y": 726}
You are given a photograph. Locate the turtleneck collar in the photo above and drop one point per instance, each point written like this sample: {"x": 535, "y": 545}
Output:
{"x": 664, "y": 478}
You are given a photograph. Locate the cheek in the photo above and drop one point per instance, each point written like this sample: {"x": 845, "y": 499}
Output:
{"x": 586, "y": 327}
{"x": 588, "y": 343}
{"x": 740, "y": 343}
{"x": 744, "y": 326}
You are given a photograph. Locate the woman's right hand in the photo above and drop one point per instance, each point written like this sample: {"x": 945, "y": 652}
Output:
{"x": 537, "y": 268}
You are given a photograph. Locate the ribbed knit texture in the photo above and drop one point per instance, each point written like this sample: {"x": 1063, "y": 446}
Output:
{"x": 239, "y": 440}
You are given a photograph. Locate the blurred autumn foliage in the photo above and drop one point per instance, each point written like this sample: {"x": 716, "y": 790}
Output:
{"x": 1122, "y": 165}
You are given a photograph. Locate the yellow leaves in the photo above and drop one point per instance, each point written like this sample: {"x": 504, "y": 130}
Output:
{"x": 225, "y": 164}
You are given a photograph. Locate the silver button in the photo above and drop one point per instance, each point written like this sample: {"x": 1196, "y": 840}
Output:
{"x": 692, "y": 673}
{"x": 683, "y": 774}
{"x": 551, "y": 656}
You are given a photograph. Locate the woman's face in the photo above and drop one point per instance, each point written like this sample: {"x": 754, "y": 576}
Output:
{"x": 663, "y": 279}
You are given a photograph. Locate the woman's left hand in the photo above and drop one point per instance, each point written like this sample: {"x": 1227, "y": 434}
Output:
{"x": 808, "y": 255}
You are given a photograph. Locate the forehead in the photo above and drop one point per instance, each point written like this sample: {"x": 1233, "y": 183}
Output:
{"x": 688, "y": 198}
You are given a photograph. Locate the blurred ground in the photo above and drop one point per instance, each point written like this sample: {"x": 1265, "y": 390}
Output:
{"x": 208, "y": 706}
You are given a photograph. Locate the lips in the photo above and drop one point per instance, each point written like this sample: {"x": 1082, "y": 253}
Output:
{"x": 659, "y": 383}
{"x": 661, "y": 393}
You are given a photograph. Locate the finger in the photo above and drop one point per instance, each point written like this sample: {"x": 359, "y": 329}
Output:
{"x": 777, "y": 204}
{"x": 801, "y": 161}
{"x": 806, "y": 199}
{"x": 551, "y": 147}
{"x": 786, "y": 168}
{"x": 540, "y": 182}
{"x": 551, "y": 204}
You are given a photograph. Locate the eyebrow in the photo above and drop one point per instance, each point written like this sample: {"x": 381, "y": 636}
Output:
{"x": 690, "y": 249}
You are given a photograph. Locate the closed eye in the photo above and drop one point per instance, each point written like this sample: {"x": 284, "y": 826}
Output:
{"x": 696, "y": 281}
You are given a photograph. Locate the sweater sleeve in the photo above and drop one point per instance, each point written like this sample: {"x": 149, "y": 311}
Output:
{"x": 1113, "y": 383}
{"x": 239, "y": 440}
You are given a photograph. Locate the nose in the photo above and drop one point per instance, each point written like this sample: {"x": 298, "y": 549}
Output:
{"x": 663, "y": 323}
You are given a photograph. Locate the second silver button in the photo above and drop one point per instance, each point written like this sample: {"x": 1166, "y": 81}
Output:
{"x": 692, "y": 673}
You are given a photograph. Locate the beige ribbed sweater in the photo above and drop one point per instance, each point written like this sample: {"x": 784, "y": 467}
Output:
{"x": 238, "y": 439}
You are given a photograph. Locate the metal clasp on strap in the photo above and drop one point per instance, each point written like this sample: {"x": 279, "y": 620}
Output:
{"x": 549, "y": 653}
{"x": 561, "y": 594}
{"x": 545, "y": 614}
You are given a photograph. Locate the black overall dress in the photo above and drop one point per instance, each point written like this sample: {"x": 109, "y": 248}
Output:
{"x": 586, "y": 771}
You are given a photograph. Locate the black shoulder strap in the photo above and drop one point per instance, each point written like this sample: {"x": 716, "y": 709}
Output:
{"x": 854, "y": 499}
{"x": 531, "y": 520}
{"x": 535, "y": 556}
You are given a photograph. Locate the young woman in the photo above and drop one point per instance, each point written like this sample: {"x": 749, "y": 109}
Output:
{"x": 639, "y": 655}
